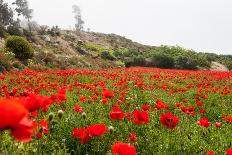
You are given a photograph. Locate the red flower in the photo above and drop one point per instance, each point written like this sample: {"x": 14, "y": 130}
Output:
{"x": 169, "y": 120}
{"x": 132, "y": 137}
{"x": 97, "y": 130}
{"x": 227, "y": 118}
{"x": 84, "y": 136}
{"x": 141, "y": 117}
{"x": 78, "y": 108}
{"x": 160, "y": 105}
{"x": 146, "y": 107}
{"x": 204, "y": 122}
{"x": 92, "y": 131}
{"x": 178, "y": 105}
{"x": 82, "y": 98}
{"x": 199, "y": 103}
{"x": 13, "y": 116}
{"x": 76, "y": 133}
{"x": 189, "y": 111}
{"x": 44, "y": 125}
{"x": 218, "y": 124}
{"x": 210, "y": 153}
{"x": 116, "y": 114}
{"x": 229, "y": 151}
{"x": 33, "y": 102}
{"x": 107, "y": 94}
{"x": 123, "y": 149}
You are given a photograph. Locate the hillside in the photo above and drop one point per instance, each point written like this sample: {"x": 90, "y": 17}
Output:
{"x": 69, "y": 49}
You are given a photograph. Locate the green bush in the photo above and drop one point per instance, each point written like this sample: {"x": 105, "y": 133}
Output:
{"x": 20, "y": 47}
{"x": 107, "y": 55}
{"x": 182, "y": 62}
{"x": 162, "y": 60}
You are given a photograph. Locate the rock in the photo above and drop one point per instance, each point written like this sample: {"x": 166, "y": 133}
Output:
{"x": 47, "y": 38}
{"x": 215, "y": 66}
{"x": 80, "y": 42}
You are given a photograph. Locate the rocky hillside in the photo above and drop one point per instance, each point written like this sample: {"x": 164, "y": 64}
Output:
{"x": 97, "y": 50}
{"x": 82, "y": 50}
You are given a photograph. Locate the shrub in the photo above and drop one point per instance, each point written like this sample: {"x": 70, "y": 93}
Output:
{"x": 107, "y": 55}
{"x": 20, "y": 47}
{"x": 162, "y": 60}
{"x": 182, "y": 62}
{"x": 3, "y": 33}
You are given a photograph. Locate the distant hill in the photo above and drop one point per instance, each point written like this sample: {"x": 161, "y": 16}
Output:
{"x": 69, "y": 49}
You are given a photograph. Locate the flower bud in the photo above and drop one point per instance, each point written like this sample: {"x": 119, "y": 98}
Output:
{"x": 83, "y": 115}
{"x": 50, "y": 116}
{"x": 111, "y": 129}
{"x": 60, "y": 113}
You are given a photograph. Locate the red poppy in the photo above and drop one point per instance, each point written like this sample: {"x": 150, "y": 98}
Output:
{"x": 132, "y": 137}
{"x": 123, "y": 149}
{"x": 44, "y": 125}
{"x": 33, "y": 102}
{"x": 227, "y": 118}
{"x": 169, "y": 120}
{"x": 13, "y": 116}
{"x": 189, "y": 111}
{"x": 218, "y": 124}
{"x": 210, "y": 153}
{"x": 204, "y": 122}
{"x": 160, "y": 105}
{"x": 107, "y": 94}
{"x": 146, "y": 107}
{"x": 78, "y": 108}
{"x": 199, "y": 103}
{"x": 229, "y": 151}
{"x": 85, "y": 134}
{"x": 76, "y": 133}
{"x": 97, "y": 130}
{"x": 116, "y": 114}
{"x": 140, "y": 117}
{"x": 83, "y": 99}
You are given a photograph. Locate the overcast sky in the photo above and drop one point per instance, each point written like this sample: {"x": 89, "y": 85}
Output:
{"x": 202, "y": 25}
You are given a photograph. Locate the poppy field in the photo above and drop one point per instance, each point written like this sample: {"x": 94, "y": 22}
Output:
{"x": 128, "y": 111}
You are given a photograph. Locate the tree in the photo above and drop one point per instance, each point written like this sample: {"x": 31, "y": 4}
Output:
{"x": 22, "y": 8}
{"x": 6, "y": 14}
{"x": 79, "y": 22}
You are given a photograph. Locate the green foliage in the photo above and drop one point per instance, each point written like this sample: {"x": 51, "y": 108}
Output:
{"x": 226, "y": 60}
{"x": 175, "y": 51}
{"x": 161, "y": 60}
{"x": 107, "y": 55}
{"x": 93, "y": 47}
{"x": 130, "y": 53}
{"x": 20, "y": 47}
{"x": 136, "y": 61}
{"x": 182, "y": 62}
{"x": 3, "y": 32}
{"x": 13, "y": 30}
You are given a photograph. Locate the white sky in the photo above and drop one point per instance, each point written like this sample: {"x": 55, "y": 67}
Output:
{"x": 202, "y": 25}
